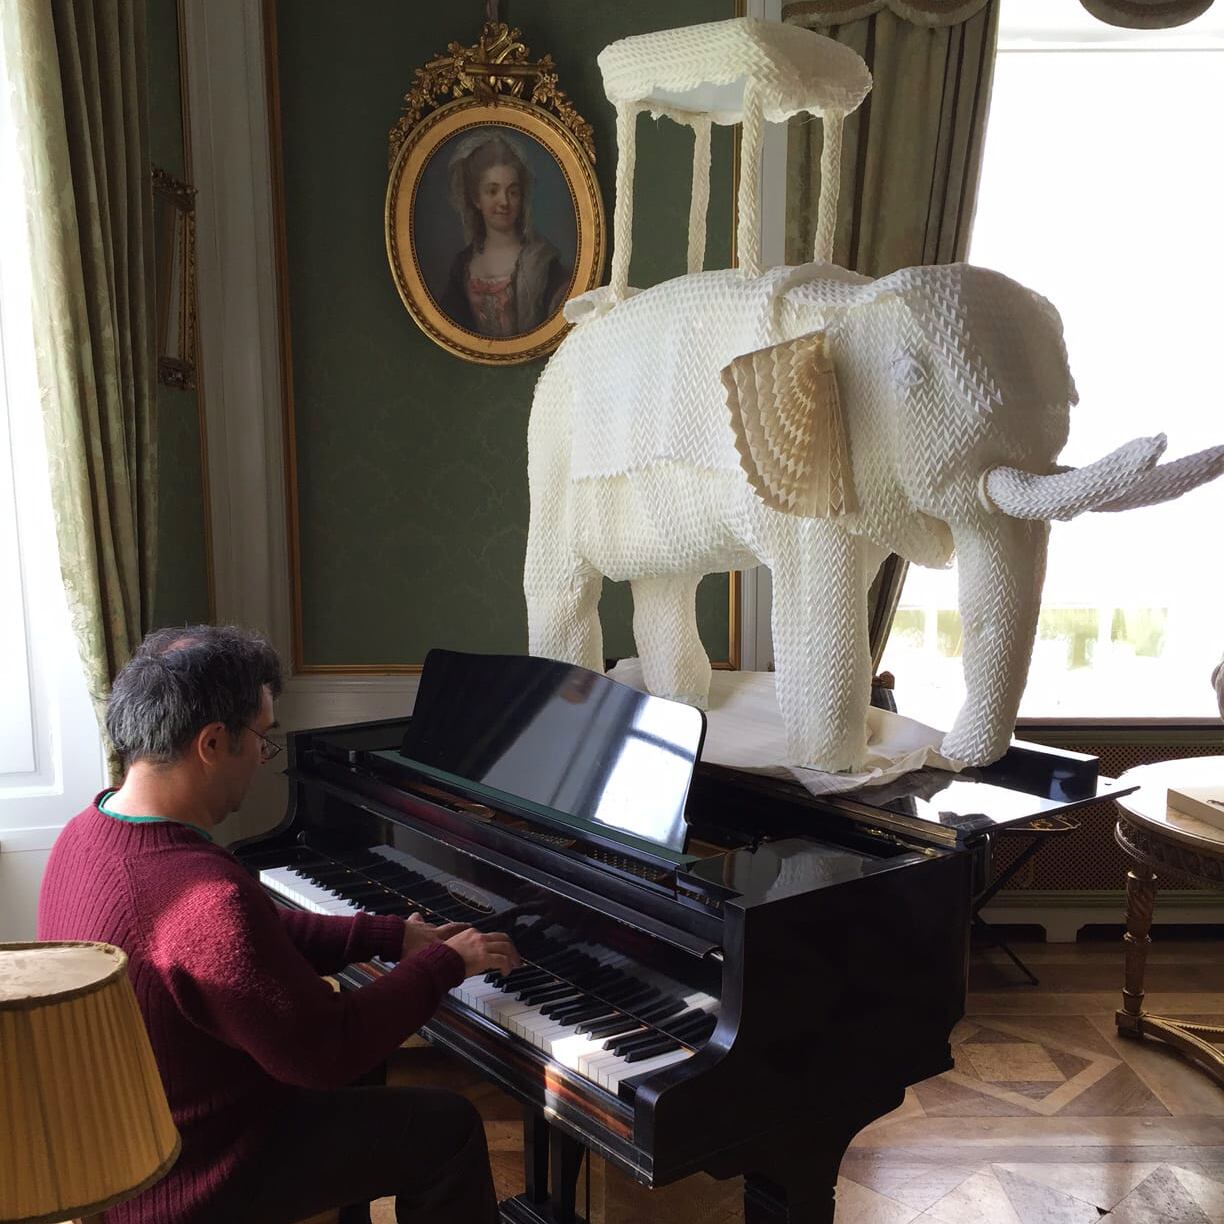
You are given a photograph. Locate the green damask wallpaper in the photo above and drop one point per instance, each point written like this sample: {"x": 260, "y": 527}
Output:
{"x": 181, "y": 594}
{"x": 412, "y": 463}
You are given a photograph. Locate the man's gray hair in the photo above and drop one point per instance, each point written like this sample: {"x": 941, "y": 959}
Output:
{"x": 179, "y": 681}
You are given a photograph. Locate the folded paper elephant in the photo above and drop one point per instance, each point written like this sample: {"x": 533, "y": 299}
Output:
{"x": 813, "y": 420}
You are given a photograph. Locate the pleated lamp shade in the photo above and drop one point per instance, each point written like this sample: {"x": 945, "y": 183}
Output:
{"x": 84, "y": 1122}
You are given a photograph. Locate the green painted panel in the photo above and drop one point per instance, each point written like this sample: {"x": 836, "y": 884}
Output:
{"x": 165, "y": 97}
{"x": 181, "y": 592}
{"x": 181, "y": 587}
{"x": 411, "y": 462}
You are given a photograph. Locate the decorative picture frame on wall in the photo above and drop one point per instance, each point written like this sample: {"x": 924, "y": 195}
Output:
{"x": 174, "y": 253}
{"x": 493, "y": 212}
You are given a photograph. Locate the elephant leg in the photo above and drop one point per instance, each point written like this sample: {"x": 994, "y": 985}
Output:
{"x": 820, "y": 642}
{"x": 674, "y": 662}
{"x": 562, "y": 593}
{"x": 1001, "y": 564}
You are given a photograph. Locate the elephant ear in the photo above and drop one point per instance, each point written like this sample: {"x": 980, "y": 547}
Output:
{"x": 788, "y": 425}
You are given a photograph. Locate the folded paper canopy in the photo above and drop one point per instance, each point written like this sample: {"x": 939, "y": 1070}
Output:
{"x": 703, "y": 69}
{"x": 739, "y": 71}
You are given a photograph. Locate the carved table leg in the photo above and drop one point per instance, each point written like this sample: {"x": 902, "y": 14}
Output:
{"x": 1140, "y": 905}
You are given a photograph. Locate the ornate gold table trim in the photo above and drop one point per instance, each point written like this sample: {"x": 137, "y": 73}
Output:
{"x": 1152, "y": 853}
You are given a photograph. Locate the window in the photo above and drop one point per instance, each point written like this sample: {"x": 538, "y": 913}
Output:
{"x": 1102, "y": 188}
{"x": 51, "y": 758}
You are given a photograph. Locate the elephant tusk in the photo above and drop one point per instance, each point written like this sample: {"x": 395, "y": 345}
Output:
{"x": 1171, "y": 480}
{"x": 1063, "y": 495}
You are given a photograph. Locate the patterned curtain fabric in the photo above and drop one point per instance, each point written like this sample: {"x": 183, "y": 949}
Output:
{"x": 77, "y": 69}
{"x": 910, "y": 161}
{"x": 820, "y": 14}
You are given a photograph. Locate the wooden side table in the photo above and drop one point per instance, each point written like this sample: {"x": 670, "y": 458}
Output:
{"x": 1158, "y": 838}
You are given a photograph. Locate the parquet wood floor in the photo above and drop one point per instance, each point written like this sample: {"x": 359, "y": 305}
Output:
{"x": 1047, "y": 1118}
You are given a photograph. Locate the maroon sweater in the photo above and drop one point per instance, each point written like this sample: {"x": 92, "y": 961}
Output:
{"x": 230, "y": 989}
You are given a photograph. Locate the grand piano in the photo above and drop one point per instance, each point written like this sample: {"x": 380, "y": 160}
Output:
{"x": 721, "y": 972}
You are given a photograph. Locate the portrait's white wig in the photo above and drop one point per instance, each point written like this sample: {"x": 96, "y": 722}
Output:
{"x": 472, "y": 157}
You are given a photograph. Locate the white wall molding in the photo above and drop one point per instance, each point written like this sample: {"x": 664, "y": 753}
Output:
{"x": 1064, "y": 913}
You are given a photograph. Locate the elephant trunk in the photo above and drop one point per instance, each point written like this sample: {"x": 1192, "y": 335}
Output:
{"x": 1171, "y": 480}
{"x": 1071, "y": 491}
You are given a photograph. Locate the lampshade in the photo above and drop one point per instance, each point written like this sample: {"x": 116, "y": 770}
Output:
{"x": 84, "y": 1122}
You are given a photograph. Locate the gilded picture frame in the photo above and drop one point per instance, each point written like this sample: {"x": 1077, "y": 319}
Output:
{"x": 493, "y": 213}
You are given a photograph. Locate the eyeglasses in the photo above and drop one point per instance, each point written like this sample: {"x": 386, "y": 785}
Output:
{"x": 267, "y": 749}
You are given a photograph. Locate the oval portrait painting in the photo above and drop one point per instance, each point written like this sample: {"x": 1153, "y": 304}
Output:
{"x": 493, "y": 222}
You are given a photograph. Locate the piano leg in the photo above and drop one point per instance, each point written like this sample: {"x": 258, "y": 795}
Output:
{"x": 805, "y": 1199}
{"x": 535, "y": 1155}
{"x": 798, "y": 1185}
{"x": 567, "y": 1157}
{"x": 546, "y": 1150}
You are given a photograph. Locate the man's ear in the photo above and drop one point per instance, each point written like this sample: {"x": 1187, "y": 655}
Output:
{"x": 210, "y": 742}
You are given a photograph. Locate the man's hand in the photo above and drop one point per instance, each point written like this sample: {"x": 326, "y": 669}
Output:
{"x": 419, "y": 934}
{"x": 485, "y": 951}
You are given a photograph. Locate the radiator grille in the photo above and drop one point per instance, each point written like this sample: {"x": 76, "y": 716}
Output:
{"x": 1089, "y": 859}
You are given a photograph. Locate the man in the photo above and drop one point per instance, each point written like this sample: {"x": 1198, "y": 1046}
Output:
{"x": 255, "y": 1050}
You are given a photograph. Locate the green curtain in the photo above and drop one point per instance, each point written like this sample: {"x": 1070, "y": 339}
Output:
{"x": 77, "y": 69}
{"x": 911, "y": 157}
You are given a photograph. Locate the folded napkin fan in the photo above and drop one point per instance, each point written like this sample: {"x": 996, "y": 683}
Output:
{"x": 744, "y": 731}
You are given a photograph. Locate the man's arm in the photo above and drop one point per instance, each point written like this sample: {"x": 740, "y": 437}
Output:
{"x": 227, "y": 959}
{"x": 329, "y": 941}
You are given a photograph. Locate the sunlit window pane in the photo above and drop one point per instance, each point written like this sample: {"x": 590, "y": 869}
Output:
{"x": 1103, "y": 188}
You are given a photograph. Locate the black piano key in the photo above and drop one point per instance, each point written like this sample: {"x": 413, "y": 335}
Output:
{"x": 609, "y": 1028}
{"x": 392, "y": 906}
{"x": 524, "y": 976}
{"x": 662, "y": 1045}
{"x": 558, "y": 1007}
{"x": 689, "y": 1019}
{"x": 659, "y": 1011}
{"x": 630, "y": 1043}
{"x": 359, "y": 895}
{"x": 573, "y": 1013}
{"x": 546, "y": 994}
{"x": 621, "y": 1043}
{"x": 695, "y": 1032}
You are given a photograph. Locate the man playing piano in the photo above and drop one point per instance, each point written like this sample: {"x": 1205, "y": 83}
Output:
{"x": 256, "y": 1051}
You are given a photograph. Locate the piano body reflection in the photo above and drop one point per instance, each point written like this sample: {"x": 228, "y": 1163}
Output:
{"x": 721, "y": 973}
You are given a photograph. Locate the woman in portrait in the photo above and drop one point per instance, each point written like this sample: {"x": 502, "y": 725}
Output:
{"x": 507, "y": 280}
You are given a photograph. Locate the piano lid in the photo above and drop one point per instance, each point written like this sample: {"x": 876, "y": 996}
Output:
{"x": 584, "y": 748}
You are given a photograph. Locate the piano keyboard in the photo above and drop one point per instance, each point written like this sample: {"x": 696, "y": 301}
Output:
{"x": 587, "y": 1008}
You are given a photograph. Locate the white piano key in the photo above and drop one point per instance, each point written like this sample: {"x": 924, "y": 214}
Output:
{"x": 628, "y": 1070}
{"x": 303, "y": 891}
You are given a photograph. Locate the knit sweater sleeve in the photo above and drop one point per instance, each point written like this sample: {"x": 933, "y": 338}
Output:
{"x": 233, "y": 970}
{"x": 329, "y": 942}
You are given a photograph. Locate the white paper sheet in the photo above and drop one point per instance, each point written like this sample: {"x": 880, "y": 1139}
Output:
{"x": 744, "y": 731}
